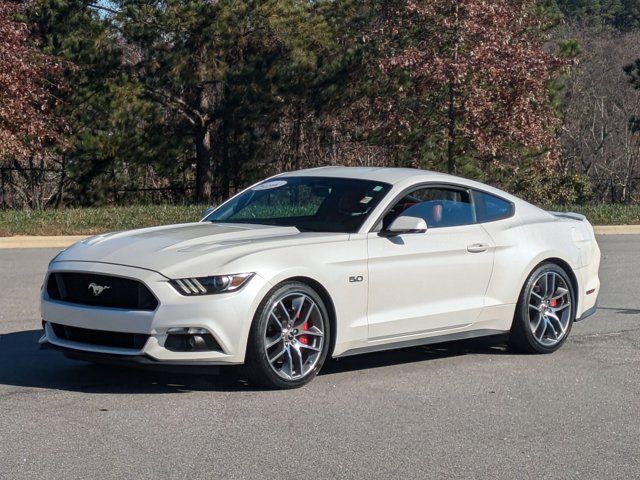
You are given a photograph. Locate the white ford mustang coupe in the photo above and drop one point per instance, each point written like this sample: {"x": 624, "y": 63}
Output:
{"x": 325, "y": 262}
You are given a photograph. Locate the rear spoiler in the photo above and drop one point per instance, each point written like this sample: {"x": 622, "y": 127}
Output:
{"x": 570, "y": 215}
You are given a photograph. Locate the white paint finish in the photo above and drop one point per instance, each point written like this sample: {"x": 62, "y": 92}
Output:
{"x": 404, "y": 224}
{"x": 331, "y": 265}
{"x": 426, "y": 281}
{"x": 413, "y": 286}
{"x": 224, "y": 316}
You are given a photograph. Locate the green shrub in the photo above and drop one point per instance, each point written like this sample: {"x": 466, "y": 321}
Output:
{"x": 88, "y": 221}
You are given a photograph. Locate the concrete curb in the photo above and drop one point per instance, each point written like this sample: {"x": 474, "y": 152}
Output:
{"x": 65, "y": 241}
{"x": 618, "y": 230}
{"x": 39, "y": 242}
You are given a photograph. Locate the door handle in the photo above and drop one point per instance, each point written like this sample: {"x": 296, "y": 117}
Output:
{"x": 478, "y": 248}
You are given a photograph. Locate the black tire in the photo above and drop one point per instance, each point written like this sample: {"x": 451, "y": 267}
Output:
{"x": 257, "y": 366}
{"x": 522, "y": 338}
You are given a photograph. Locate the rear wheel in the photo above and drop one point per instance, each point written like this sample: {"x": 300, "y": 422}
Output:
{"x": 545, "y": 312}
{"x": 289, "y": 338}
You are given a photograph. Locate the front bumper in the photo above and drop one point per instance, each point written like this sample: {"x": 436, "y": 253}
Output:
{"x": 588, "y": 313}
{"x": 588, "y": 290}
{"x": 144, "y": 361}
{"x": 226, "y": 316}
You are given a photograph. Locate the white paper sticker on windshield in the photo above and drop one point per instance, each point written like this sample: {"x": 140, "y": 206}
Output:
{"x": 270, "y": 185}
{"x": 366, "y": 200}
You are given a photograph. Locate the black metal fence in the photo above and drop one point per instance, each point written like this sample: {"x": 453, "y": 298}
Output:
{"x": 35, "y": 187}
{"x": 22, "y": 187}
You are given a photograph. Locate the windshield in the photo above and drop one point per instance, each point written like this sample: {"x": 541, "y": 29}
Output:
{"x": 307, "y": 203}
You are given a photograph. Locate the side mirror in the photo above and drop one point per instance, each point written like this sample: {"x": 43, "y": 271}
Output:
{"x": 207, "y": 211}
{"x": 405, "y": 224}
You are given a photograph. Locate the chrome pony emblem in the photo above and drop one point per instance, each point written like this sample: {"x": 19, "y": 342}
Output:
{"x": 97, "y": 289}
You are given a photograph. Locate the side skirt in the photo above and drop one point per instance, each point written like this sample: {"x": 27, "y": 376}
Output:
{"x": 422, "y": 341}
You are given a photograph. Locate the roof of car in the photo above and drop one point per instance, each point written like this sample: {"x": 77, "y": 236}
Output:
{"x": 398, "y": 175}
{"x": 375, "y": 174}
{"x": 409, "y": 176}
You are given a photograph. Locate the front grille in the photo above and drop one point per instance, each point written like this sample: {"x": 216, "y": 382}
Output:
{"x": 100, "y": 291}
{"x": 103, "y": 338}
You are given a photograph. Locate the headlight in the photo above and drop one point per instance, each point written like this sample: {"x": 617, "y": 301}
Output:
{"x": 211, "y": 285}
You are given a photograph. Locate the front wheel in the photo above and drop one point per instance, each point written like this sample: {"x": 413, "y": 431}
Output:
{"x": 545, "y": 311}
{"x": 289, "y": 338}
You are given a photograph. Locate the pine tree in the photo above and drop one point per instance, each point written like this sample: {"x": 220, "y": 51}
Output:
{"x": 207, "y": 61}
{"x": 620, "y": 14}
{"x": 633, "y": 71}
{"x": 111, "y": 129}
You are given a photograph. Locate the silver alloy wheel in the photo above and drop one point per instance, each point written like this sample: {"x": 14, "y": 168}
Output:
{"x": 549, "y": 308}
{"x": 294, "y": 335}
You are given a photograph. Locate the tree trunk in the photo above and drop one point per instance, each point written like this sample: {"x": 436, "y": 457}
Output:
{"x": 226, "y": 161}
{"x": 3, "y": 199}
{"x": 297, "y": 138}
{"x": 63, "y": 177}
{"x": 204, "y": 166}
{"x": 451, "y": 150}
{"x": 453, "y": 133}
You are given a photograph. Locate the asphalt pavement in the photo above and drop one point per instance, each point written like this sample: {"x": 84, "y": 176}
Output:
{"x": 464, "y": 410}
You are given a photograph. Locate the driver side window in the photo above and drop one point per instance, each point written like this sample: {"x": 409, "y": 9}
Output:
{"x": 438, "y": 206}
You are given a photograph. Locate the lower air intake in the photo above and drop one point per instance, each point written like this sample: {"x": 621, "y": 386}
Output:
{"x": 100, "y": 338}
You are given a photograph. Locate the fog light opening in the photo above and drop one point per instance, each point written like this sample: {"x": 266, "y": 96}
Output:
{"x": 196, "y": 342}
{"x": 191, "y": 340}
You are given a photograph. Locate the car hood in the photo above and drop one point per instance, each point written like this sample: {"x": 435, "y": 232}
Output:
{"x": 193, "y": 249}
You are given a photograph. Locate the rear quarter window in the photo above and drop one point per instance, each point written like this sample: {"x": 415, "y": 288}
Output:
{"x": 490, "y": 208}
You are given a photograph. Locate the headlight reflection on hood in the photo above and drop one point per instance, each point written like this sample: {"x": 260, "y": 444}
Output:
{"x": 211, "y": 285}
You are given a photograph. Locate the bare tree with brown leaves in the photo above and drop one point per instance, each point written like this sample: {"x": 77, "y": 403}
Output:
{"x": 485, "y": 66}
{"x": 24, "y": 94}
{"x": 598, "y": 140}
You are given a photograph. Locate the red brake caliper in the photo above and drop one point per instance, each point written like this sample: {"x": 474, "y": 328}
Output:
{"x": 553, "y": 303}
{"x": 303, "y": 328}
{"x": 304, "y": 339}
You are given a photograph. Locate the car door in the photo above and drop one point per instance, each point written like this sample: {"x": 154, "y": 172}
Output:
{"x": 421, "y": 283}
